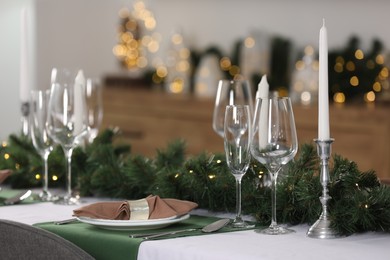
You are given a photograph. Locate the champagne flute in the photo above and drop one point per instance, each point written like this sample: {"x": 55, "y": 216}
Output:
{"x": 39, "y": 101}
{"x": 230, "y": 92}
{"x": 237, "y": 136}
{"x": 93, "y": 94}
{"x": 274, "y": 143}
{"x": 67, "y": 121}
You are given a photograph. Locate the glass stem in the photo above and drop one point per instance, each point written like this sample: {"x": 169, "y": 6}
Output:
{"x": 238, "y": 198}
{"x": 45, "y": 173}
{"x": 68, "y": 156}
{"x": 274, "y": 177}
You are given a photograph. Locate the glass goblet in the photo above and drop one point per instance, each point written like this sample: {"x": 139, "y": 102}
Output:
{"x": 39, "y": 101}
{"x": 237, "y": 135}
{"x": 67, "y": 120}
{"x": 274, "y": 144}
{"x": 230, "y": 92}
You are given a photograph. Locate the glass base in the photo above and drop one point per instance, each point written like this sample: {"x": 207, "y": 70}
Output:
{"x": 47, "y": 196}
{"x": 275, "y": 230}
{"x": 68, "y": 200}
{"x": 239, "y": 223}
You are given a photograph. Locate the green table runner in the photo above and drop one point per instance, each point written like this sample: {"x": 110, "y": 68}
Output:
{"x": 113, "y": 244}
{"x": 8, "y": 193}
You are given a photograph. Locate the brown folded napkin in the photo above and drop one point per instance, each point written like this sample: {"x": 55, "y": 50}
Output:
{"x": 154, "y": 206}
{"x": 4, "y": 174}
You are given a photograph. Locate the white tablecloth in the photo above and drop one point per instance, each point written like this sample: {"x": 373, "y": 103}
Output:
{"x": 235, "y": 245}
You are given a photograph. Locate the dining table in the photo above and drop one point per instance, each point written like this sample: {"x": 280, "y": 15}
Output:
{"x": 226, "y": 244}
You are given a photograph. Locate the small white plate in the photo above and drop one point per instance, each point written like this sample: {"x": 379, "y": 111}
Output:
{"x": 132, "y": 224}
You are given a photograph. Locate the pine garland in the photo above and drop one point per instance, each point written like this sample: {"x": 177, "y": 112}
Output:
{"x": 359, "y": 201}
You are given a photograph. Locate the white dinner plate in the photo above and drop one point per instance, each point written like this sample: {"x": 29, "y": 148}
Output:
{"x": 133, "y": 224}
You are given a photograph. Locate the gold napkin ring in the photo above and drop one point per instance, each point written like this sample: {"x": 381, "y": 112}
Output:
{"x": 139, "y": 209}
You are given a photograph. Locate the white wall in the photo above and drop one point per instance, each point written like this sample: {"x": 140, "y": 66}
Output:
{"x": 81, "y": 33}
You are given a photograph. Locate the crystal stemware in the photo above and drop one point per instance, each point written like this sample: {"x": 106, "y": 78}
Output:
{"x": 39, "y": 101}
{"x": 237, "y": 135}
{"x": 67, "y": 119}
{"x": 274, "y": 143}
{"x": 230, "y": 92}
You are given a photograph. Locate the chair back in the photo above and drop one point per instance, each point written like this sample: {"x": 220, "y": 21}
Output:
{"x": 22, "y": 241}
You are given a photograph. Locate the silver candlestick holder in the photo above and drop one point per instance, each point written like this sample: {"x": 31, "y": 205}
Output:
{"x": 321, "y": 228}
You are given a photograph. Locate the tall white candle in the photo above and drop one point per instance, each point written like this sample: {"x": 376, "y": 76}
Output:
{"x": 323, "y": 98}
{"x": 24, "y": 86}
{"x": 263, "y": 93}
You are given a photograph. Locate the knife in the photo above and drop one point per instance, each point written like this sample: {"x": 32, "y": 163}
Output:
{"x": 215, "y": 226}
{"x": 17, "y": 198}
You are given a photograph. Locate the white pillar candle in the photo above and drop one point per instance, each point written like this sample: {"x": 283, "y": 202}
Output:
{"x": 24, "y": 66}
{"x": 323, "y": 97}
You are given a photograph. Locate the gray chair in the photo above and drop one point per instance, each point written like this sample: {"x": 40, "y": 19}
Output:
{"x": 21, "y": 241}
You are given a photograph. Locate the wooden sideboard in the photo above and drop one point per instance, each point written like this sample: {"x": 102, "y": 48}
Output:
{"x": 150, "y": 119}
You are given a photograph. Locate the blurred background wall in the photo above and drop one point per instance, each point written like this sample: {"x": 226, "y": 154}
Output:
{"x": 83, "y": 33}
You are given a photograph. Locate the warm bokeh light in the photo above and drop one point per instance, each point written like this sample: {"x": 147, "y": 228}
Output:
{"x": 37, "y": 176}
{"x": 177, "y": 86}
{"x": 182, "y": 66}
{"x": 379, "y": 59}
{"x": 234, "y": 70}
{"x": 309, "y": 50}
{"x": 249, "y": 42}
{"x": 338, "y": 67}
{"x": 339, "y": 97}
{"x": 135, "y": 40}
{"x": 142, "y": 62}
{"x": 350, "y": 66}
{"x": 384, "y": 74}
{"x": 177, "y": 39}
{"x": 354, "y": 81}
{"x": 340, "y": 59}
{"x": 369, "y": 97}
{"x": 6, "y": 156}
{"x": 377, "y": 87}
{"x": 359, "y": 54}
{"x": 162, "y": 71}
{"x": 305, "y": 98}
{"x": 225, "y": 63}
{"x": 153, "y": 46}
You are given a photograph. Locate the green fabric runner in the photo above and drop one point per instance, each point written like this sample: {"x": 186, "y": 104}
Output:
{"x": 8, "y": 193}
{"x": 113, "y": 244}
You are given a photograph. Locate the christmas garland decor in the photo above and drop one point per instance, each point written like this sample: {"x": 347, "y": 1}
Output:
{"x": 107, "y": 168}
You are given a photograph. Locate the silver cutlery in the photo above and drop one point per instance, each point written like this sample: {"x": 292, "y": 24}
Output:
{"x": 215, "y": 226}
{"x": 18, "y": 198}
{"x": 66, "y": 221}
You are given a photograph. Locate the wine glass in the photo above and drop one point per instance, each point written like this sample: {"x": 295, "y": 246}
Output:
{"x": 230, "y": 92}
{"x": 67, "y": 119}
{"x": 39, "y": 101}
{"x": 93, "y": 94}
{"x": 274, "y": 143}
{"x": 237, "y": 136}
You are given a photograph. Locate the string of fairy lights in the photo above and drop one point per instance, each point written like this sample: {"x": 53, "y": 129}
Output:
{"x": 353, "y": 74}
